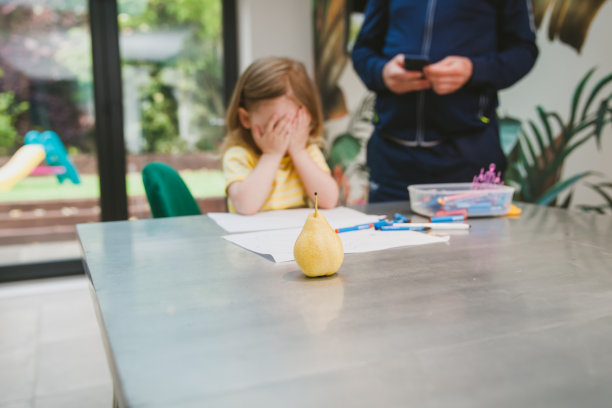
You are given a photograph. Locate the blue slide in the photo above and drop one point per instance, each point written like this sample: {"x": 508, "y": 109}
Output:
{"x": 56, "y": 154}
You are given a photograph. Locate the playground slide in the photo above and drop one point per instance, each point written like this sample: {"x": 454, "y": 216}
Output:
{"x": 21, "y": 165}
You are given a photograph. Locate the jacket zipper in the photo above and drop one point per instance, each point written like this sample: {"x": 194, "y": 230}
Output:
{"x": 482, "y": 103}
{"x": 425, "y": 46}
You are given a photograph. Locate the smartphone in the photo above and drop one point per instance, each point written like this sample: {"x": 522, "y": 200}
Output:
{"x": 415, "y": 64}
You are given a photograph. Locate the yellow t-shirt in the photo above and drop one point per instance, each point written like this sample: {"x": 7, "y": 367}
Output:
{"x": 287, "y": 189}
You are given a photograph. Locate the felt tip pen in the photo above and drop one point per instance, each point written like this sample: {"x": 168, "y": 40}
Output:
{"x": 354, "y": 228}
{"x": 448, "y": 218}
{"x": 452, "y": 212}
{"x": 381, "y": 223}
{"x": 471, "y": 207}
{"x": 403, "y": 227}
{"x": 442, "y": 225}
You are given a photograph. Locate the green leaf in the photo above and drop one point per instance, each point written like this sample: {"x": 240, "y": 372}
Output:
{"x": 566, "y": 133}
{"x": 549, "y": 195}
{"x": 566, "y": 203}
{"x": 561, "y": 156}
{"x": 509, "y": 129}
{"x": 587, "y": 208}
{"x": 556, "y": 116}
{"x": 532, "y": 170}
{"x": 524, "y": 183}
{"x": 596, "y": 89}
{"x": 599, "y": 188}
{"x": 531, "y": 159}
{"x": 526, "y": 175}
{"x": 600, "y": 120}
{"x": 576, "y": 97}
{"x": 540, "y": 141}
{"x": 573, "y": 147}
{"x": 588, "y": 122}
{"x": 549, "y": 134}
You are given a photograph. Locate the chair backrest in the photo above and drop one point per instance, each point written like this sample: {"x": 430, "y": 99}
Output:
{"x": 167, "y": 193}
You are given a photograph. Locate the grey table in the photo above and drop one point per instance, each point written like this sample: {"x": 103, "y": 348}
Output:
{"x": 515, "y": 313}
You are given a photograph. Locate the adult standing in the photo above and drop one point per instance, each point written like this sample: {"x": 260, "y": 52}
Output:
{"x": 439, "y": 124}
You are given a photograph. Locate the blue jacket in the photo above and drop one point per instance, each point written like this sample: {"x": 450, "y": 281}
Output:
{"x": 497, "y": 35}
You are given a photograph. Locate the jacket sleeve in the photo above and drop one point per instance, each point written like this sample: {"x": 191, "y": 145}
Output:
{"x": 367, "y": 57}
{"x": 517, "y": 50}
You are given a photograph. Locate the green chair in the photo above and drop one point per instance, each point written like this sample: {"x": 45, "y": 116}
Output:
{"x": 167, "y": 193}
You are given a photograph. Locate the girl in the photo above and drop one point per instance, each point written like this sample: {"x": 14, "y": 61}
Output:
{"x": 271, "y": 154}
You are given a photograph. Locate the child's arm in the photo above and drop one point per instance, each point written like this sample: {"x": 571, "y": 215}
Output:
{"x": 313, "y": 177}
{"x": 250, "y": 194}
{"x": 316, "y": 180}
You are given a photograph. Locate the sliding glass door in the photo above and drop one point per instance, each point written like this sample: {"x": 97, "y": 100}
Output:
{"x": 48, "y": 168}
{"x": 172, "y": 60}
{"x": 172, "y": 76}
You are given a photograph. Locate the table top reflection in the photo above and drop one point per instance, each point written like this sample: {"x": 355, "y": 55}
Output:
{"x": 514, "y": 312}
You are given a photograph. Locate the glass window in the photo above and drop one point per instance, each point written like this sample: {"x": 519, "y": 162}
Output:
{"x": 172, "y": 68}
{"x": 173, "y": 101}
{"x": 48, "y": 171}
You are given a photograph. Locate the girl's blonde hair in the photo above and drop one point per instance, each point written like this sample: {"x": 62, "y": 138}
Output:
{"x": 269, "y": 78}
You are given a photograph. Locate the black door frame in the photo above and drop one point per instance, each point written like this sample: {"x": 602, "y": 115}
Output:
{"x": 108, "y": 97}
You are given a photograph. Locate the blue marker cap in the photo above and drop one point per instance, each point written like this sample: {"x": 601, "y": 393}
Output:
{"x": 448, "y": 218}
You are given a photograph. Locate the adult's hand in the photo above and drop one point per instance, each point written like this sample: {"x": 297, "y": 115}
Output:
{"x": 449, "y": 74}
{"x": 400, "y": 81}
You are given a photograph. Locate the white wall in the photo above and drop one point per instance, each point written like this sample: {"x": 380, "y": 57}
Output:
{"x": 275, "y": 28}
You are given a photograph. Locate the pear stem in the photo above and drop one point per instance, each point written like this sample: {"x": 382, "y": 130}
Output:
{"x": 316, "y": 205}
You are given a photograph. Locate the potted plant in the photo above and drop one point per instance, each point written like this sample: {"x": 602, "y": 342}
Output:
{"x": 535, "y": 162}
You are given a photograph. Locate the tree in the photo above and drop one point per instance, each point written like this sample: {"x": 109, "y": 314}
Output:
{"x": 9, "y": 110}
{"x": 199, "y": 61}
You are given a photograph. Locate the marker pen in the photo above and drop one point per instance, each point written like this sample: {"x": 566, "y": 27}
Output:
{"x": 480, "y": 206}
{"x": 397, "y": 217}
{"x": 452, "y": 212}
{"x": 402, "y": 228}
{"x": 381, "y": 223}
{"x": 354, "y": 228}
{"x": 448, "y": 218}
{"x": 442, "y": 225}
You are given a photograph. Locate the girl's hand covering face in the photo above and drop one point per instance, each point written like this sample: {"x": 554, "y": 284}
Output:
{"x": 300, "y": 129}
{"x": 275, "y": 136}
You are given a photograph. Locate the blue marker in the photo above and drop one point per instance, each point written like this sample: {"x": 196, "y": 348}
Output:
{"x": 481, "y": 206}
{"x": 354, "y": 228}
{"x": 448, "y": 218}
{"x": 400, "y": 218}
{"x": 381, "y": 223}
{"x": 402, "y": 228}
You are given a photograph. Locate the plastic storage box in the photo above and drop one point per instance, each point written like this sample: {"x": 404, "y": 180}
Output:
{"x": 455, "y": 198}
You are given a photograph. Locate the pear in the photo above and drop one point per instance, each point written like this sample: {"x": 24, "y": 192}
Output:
{"x": 318, "y": 249}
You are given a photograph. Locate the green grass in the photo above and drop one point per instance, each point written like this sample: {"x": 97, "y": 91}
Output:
{"x": 202, "y": 183}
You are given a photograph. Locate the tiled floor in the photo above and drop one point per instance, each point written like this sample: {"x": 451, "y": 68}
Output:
{"x": 51, "y": 353}
{"x": 39, "y": 252}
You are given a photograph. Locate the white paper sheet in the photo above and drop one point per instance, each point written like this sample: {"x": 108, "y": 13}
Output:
{"x": 279, "y": 243}
{"x": 338, "y": 217}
